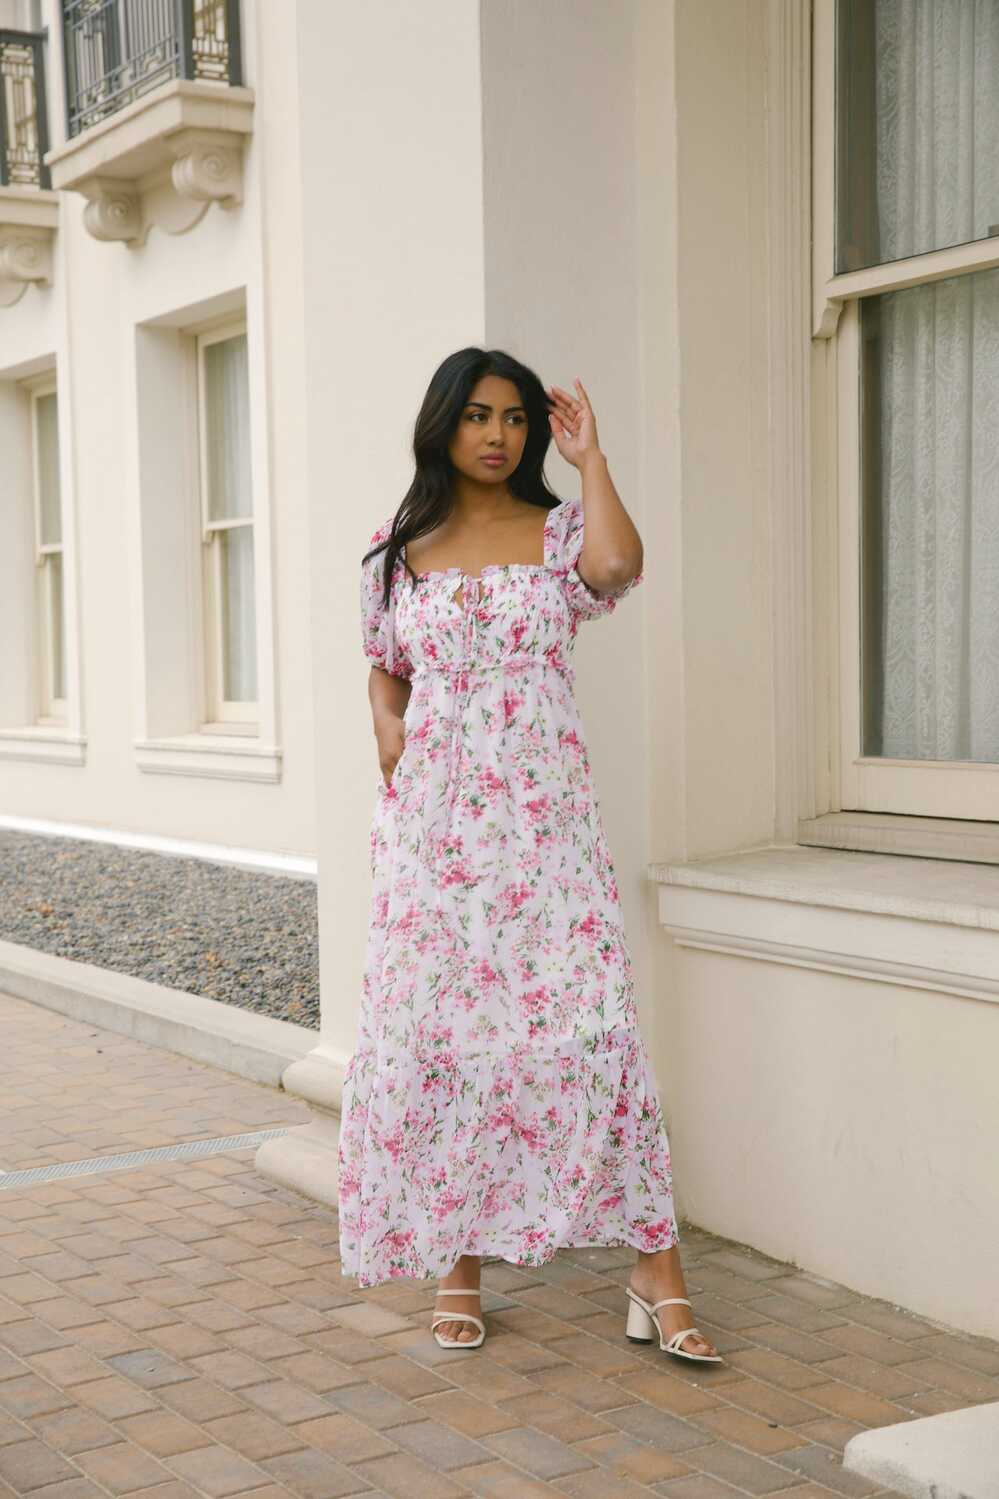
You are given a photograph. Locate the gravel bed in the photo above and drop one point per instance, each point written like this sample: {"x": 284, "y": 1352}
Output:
{"x": 246, "y": 938}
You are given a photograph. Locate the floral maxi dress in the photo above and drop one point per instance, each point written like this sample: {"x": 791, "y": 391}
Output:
{"x": 500, "y": 1101}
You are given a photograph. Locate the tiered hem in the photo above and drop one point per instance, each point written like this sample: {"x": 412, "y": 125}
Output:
{"x": 513, "y": 1153}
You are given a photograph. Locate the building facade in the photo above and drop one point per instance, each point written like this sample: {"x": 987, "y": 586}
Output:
{"x": 235, "y": 240}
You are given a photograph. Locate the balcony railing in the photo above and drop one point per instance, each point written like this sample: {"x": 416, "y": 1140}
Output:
{"x": 117, "y": 50}
{"x": 23, "y": 133}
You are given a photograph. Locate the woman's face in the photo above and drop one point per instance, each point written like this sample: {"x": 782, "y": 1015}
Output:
{"x": 493, "y": 423}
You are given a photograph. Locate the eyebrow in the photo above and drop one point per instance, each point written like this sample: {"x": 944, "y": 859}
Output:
{"x": 487, "y": 407}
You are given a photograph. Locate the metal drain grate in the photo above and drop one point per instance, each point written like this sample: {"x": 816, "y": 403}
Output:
{"x": 99, "y": 1163}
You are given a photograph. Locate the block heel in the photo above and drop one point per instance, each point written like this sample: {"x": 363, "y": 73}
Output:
{"x": 643, "y": 1324}
{"x": 640, "y": 1327}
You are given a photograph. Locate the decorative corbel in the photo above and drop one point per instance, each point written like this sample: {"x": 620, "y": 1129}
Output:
{"x": 28, "y": 222}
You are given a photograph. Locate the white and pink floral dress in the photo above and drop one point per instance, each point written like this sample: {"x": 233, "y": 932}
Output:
{"x": 500, "y": 1101}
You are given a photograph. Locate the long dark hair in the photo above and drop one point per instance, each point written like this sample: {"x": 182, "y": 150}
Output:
{"x": 428, "y": 501}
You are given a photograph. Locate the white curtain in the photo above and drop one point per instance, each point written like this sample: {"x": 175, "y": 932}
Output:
{"x": 230, "y": 497}
{"x": 937, "y": 101}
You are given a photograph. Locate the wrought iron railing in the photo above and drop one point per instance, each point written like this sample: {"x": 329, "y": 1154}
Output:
{"x": 23, "y": 132}
{"x": 117, "y": 50}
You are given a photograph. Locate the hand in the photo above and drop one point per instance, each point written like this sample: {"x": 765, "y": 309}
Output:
{"x": 390, "y": 734}
{"x": 572, "y": 423}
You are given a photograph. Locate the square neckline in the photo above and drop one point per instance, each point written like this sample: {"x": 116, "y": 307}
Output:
{"x": 497, "y": 567}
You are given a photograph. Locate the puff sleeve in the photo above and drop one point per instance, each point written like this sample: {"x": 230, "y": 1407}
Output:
{"x": 584, "y": 601}
{"x": 378, "y": 634}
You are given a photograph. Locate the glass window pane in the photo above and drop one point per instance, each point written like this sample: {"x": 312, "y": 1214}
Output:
{"x": 930, "y": 520}
{"x": 57, "y": 624}
{"x": 47, "y": 420}
{"x": 917, "y": 129}
{"x": 239, "y": 642}
{"x": 227, "y": 429}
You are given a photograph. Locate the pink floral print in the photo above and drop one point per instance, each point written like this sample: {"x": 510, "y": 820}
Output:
{"x": 500, "y": 1100}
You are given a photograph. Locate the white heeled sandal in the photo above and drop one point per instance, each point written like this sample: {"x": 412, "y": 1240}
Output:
{"x": 643, "y": 1324}
{"x": 458, "y": 1317}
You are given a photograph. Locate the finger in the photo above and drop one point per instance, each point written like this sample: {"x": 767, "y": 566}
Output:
{"x": 564, "y": 396}
{"x": 583, "y": 396}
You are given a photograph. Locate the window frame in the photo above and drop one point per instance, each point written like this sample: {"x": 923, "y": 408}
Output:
{"x": 930, "y": 789}
{"x": 50, "y": 709}
{"x": 221, "y": 715}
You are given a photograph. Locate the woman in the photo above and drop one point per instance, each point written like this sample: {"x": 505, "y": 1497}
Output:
{"x": 500, "y": 1101}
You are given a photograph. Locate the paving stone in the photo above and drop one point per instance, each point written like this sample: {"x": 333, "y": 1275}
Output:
{"x": 826, "y": 1468}
{"x": 636, "y": 1461}
{"x": 776, "y": 1405}
{"x": 163, "y": 1433}
{"x": 31, "y": 1336}
{"x": 320, "y": 1372}
{"x": 199, "y": 1400}
{"x": 285, "y": 1401}
{"x": 855, "y": 1405}
{"x": 407, "y": 1478}
{"x": 647, "y": 1424}
{"x": 30, "y": 1464}
{"x": 749, "y": 1431}
{"x": 316, "y": 1475}
{"x": 217, "y": 1471}
{"x": 122, "y": 1468}
{"x": 554, "y": 1416}
{"x": 474, "y": 1418}
{"x": 668, "y": 1393}
{"x": 345, "y": 1438}
{"x": 74, "y": 1430}
{"x": 70, "y": 1488}
{"x": 698, "y": 1486}
{"x": 541, "y": 1455}
{"x": 584, "y": 1390}
{"x": 374, "y": 1406}
{"x": 149, "y": 1367}
{"x": 31, "y": 1396}
{"x": 438, "y": 1445}
{"x": 744, "y": 1470}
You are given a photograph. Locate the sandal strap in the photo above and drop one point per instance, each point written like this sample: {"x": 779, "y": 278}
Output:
{"x": 457, "y": 1317}
{"x": 673, "y": 1342}
{"x": 671, "y": 1301}
{"x": 475, "y": 1292}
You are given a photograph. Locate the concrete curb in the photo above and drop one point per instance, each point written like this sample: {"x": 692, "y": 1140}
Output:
{"x": 206, "y": 1030}
{"x": 951, "y": 1456}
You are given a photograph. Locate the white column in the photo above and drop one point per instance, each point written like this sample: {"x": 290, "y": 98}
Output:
{"x": 390, "y": 251}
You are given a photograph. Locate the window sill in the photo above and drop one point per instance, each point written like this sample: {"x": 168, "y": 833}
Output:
{"x": 160, "y": 160}
{"x": 51, "y": 746}
{"x": 875, "y": 916}
{"x": 229, "y": 758}
{"x": 895, "y": 833}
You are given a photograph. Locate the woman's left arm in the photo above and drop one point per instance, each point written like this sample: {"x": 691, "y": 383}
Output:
{"x": 612, "y": 552}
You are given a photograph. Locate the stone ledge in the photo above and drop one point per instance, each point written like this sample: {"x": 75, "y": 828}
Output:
{"x": 253, "y": 1046}
{"x": 161, "y": 160}
{"x": 951, "y": 1456}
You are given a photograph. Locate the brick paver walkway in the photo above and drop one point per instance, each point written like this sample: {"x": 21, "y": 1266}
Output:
{"x": 182, "y": 1329}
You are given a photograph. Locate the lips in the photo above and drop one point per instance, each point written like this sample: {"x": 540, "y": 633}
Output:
{"x": 495, "y": 461}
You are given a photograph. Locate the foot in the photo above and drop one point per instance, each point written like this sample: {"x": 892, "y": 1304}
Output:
{"x": 465, "y": 1274}
{"x": 656, "y": 1276}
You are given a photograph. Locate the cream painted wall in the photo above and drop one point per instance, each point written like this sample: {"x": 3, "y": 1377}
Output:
{"x": 723, "y": 336}
{"x": 561, "y": 249}
{"x": 87, "y": 322}
{"x": 848, "y": 1126}
{"x": 391, "y": 230}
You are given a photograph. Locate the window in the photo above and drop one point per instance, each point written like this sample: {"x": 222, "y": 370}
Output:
{"x": 907, "y": 284}
{"x": 227, "y": 528}
{"x": 49, "y": 591}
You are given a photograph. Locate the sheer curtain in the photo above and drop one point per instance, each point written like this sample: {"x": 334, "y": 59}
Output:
{"x": 227, "y": 411}
{"x": 937, "y": 130}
